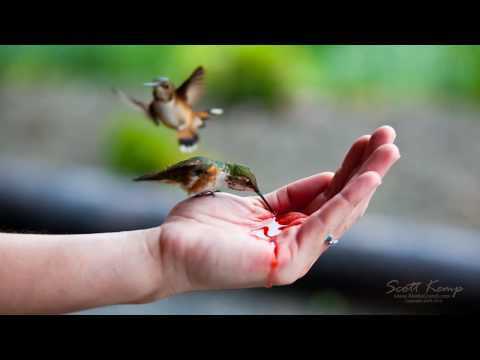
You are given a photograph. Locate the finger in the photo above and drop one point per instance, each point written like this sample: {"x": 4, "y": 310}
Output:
{"x": 358, "y": 212}
{"x": 311, "y": 235}
{"x": 381, "y": 160}
{"x": 295, "y": 196}
{"x": 383, "y": 135}
{"x": 351, "y": 161}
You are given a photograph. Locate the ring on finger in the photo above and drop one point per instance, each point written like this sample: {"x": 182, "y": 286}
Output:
{"x": 330, "y": 240}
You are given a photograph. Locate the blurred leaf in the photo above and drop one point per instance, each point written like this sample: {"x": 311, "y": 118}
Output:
{"x": 266, "y": 74}
{"x": 135, "y": 146}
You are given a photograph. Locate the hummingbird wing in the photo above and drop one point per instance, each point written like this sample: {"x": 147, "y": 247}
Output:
{"x": 193, "y": 88}
{"x": 195, "y": 161}
{"x": 136, "y": 104}
{"x": 178, "y": 173}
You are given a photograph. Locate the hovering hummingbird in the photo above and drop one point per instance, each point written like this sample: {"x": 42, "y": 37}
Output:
{"x": 201, "y": 176}
{"x": 173, "y": 107}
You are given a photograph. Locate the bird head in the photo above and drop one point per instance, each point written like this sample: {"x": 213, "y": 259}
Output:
{"x": 241, "y": 178}
{"x": 163, "y": 88}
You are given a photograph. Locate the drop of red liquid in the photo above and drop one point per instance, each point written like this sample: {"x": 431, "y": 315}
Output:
{"x": 272, "y": 229}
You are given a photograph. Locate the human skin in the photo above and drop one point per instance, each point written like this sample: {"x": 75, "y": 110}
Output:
{"x": 205, "y": 243}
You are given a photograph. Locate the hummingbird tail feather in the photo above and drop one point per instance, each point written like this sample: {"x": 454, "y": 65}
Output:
{"x": 147, "y": 177}
{"x": 188, "y": 141}
{"x": 188, "y": 148}
{"x": 156, "y": 176}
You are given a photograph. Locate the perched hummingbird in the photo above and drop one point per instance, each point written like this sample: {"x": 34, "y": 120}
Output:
{"x": 173, "y": 107}
{"x": 201, "y": 176}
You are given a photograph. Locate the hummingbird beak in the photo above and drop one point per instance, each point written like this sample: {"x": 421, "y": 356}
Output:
{"x": 265, "y": 201}
{"x": 150, "y": 84}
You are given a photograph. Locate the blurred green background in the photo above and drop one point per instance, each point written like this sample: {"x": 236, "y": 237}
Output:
{"x": 267, "y": 76}
{"x": 262, "y": 73}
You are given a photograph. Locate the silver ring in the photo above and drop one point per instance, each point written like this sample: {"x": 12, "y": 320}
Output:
{"x": 329, "y": 240}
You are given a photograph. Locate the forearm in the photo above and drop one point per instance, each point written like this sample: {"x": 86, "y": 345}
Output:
{"x": 65, "y": 273}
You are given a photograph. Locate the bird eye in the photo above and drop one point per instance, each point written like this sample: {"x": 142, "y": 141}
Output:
{"x": 198, "y": 172}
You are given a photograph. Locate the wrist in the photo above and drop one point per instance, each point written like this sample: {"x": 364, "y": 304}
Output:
{"x": 147, "y": 276}
{"x": 159, "y": 281}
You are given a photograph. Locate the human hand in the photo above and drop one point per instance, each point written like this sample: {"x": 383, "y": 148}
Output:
{"x": 209, "y": 242}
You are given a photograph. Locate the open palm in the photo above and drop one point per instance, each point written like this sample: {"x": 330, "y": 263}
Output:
{"x": 208, "y": 242}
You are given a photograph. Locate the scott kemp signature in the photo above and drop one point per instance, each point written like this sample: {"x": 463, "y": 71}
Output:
{"x": 422, "y": 292}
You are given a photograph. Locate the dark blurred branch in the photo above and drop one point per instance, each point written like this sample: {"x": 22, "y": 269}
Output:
{"x": 39, "y": 198}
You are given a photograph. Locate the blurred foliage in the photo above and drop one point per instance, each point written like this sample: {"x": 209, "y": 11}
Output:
{"x": 135, "y": 146}
{"x": 400, "y": 71}
{"x": 266, "y": 74}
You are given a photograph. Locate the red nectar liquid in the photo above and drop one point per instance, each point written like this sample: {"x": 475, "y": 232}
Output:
{"x": 270, "y": 231}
